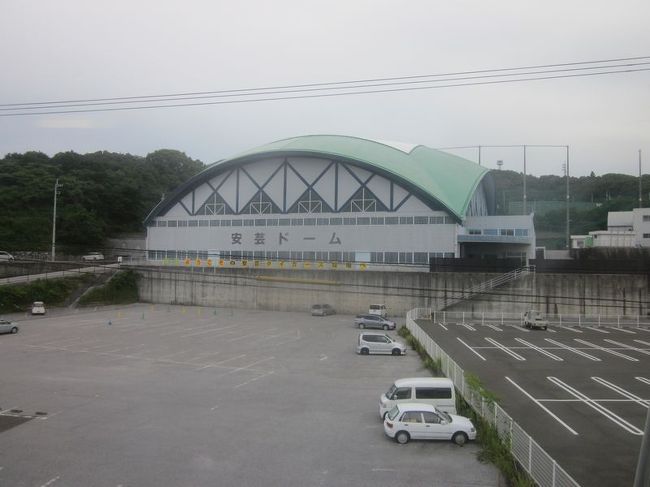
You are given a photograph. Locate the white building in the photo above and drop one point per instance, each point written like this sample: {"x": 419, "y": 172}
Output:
{"x": 327, "y": 198}
{"x": 624, "y": 229}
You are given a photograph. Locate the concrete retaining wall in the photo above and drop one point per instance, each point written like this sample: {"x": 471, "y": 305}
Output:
{"x": 352, "y": 291}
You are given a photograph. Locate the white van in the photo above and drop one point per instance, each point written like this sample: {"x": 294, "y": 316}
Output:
{"x": 437, "y": 391}
{"x": 377, "y": 309}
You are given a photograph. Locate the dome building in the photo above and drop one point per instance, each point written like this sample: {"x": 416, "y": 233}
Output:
{"x": 336, "y": 199}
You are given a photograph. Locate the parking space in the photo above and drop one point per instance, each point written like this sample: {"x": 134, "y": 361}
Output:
{"x": 171, "y": 395}
{"x": 581, "y": 393}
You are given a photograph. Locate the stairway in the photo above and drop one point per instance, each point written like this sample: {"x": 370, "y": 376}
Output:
{"x": 456, "y": 297}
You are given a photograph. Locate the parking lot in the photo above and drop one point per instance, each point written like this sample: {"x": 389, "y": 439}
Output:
{"x": 168, "y": 395}
{"x": 581, "y": 393}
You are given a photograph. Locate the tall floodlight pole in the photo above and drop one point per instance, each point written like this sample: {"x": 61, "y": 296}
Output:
{"x": 640, "y": 194}
{"x": 525, "y": 180}
{"x": 568, "y": 231}
{"x": 56, "y": 192}
{"x": 479, "y": 155}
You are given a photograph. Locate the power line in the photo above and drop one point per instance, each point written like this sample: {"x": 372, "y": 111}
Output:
{"x": 73, "y": 105}
{"x": 23, "y": 109}
{"x": 333, "y": 83}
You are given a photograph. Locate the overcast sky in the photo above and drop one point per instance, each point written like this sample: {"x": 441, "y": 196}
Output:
{"x": 78, "y": 49}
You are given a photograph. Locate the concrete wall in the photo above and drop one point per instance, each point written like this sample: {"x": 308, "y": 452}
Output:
{"x": 351, "y": 292}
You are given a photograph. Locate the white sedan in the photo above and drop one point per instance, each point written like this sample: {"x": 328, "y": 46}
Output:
{"x": 415, "y": 421}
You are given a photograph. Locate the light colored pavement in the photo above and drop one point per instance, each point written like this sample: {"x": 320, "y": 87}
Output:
{"x": 178, "y": 396}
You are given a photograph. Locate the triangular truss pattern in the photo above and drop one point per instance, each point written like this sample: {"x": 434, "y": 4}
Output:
{"x": 363, "y": 201}
{"x": 282, "y": 189}
{"x": 215, "y": 205}
{"x": 260, "y": 204}
{"x": 310, "y": 202}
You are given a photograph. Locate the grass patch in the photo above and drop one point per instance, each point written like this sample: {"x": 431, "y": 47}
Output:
{"x": 19, "y": 297}
{"x": 493, "y": 449}
{"x": 121, "y": 289}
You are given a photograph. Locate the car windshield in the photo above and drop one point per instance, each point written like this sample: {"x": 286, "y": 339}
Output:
{"x": 391, "y": 391}
{"x": 392, "y": 414}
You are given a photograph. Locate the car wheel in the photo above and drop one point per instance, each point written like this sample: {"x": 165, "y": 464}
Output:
{"x": 14, "y": 330}
{"x": 365, "y": 351}
{"x": 546, "y": 328}
{"x": 361, "y": 325}
{"x": 385, "y": 327}
{"x": 459, "y": 438}
{"x": 402, "y": 437}
{"x": 397, "y": 351}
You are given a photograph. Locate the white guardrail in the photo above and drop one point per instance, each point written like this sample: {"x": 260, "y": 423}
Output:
{"x": 86, "y": 269}
{"x": 540, "y": 466}
{"x": 564, "y": 319}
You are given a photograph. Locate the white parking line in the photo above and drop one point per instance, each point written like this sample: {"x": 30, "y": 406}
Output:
{"x": 222, "y": 362}
{"x": 469, "y": 327}
{"x": 638, "y": 328}
{"x": 570, "y": 328}
{"x": 628, "y": 347}
{"x": 540, "y": 350}
{"x": 593, "y": 328}
{"x": 643, "y": 379}
{"x": 505, "y": 349}
{"x": 542, "y": 406}
{"x": 446, "y": 329}
{"x": 50, "y": 482}
{"x": 254, "y": 379}
{"x": 621, "y": 391}
{"x": 574, "y": 350}
{"x": 249, "y": 366}
{"x": 212, "y": 330}
{"x": 615, "y": 418}
{"x": 494, "y": 327}
{"x": 622, "y": 329}
{"x": 642, "y": 342}
{"x": 598, "y": 347}
{"x": 471, "y": 349}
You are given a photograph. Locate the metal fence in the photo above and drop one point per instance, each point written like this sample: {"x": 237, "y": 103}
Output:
{"x": 580, "y": 320}
{"x": 542, "y": 468}
{"x": 57, "y": 274}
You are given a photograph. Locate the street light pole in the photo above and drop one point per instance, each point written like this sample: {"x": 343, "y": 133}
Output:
{"x": 568, "y": 231}
{"x": 56, "y": 192}
{"x": 525, "y": 181}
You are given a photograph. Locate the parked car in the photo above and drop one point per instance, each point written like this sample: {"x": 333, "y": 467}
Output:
{"x": 38, "y": 308}
{"x": 6, "y": 256}
{"x": 373, "y": 321}
{"x": 534, "y": 319}
{"x": 372, "y": 342}
{"x": 92, "y": 256}
{"x": 7, "y": 326}
{"x": 415, "y": 421}
{"x": 377, "y": 309}
{"x": 322, "y": 310}
{"x": 435, "y": 391}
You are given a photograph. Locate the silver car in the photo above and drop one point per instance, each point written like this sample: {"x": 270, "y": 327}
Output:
{"x": 377, "y": 342}
{"x": 374, "y": 321}
{"x": 7, "y": 326}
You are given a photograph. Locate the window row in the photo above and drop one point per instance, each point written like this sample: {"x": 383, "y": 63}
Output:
{"x": 502, "y": 232}
{"x": 286, "y": 222}
{"x": 375, "y": 257}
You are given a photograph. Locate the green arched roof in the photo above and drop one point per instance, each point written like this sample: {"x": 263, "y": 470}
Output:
{"x": 447, "y": 178}
{"x": 444, "y": 178}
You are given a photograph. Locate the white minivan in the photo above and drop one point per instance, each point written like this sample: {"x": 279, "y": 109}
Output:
{"x": 437, "y": 391}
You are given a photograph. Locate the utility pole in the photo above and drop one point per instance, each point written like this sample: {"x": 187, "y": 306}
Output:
{"x": 56, "y": 192}
{"x": 525, "y": 181}
{"x": 568, "y": 231}
{"x": 640, "y": 194}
